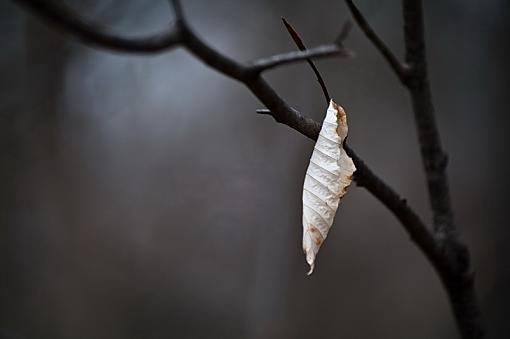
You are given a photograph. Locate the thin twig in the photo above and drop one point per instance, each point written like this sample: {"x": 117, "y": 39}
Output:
{"x": 263, "y": 111}
{"x": 299, "y": 43}
{"x": 443, "y": 249}
{"x": 323, "y": 51}
{"x": 280, "y": 111}
{"x": 344, "y": 33}
{"x": 177, "y": 8}
{"x": 68, "y": 20}
{"x": 400, "y": 69}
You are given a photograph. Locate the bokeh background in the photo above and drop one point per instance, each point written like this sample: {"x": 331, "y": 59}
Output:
{"x": 142, "y": 197}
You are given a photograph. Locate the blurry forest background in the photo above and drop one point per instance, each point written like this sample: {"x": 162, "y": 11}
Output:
{"x": 142, "y": 197}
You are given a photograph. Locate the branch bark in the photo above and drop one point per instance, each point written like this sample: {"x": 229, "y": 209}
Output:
{"x": 442, "y": 247}
{"x": 459, "y": 277}
{"x": 455, "y": 270}
{"x": 264, "y": 64}
{"x": 65, "y": 18}
{"x": 400, "y": 69}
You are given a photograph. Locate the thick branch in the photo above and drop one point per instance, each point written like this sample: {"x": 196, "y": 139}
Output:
{"x": 459, "y": 278}
{"x": 89, "y": 33}
{"x": 213, "y": 58}
{"x": 455, "y": 271}
{"x": 444, "y": 250}
{"x": 278, "y": 108}
{"x": 434, "y": 158}
{"x": 414, "y": 226}
{"x": 366, "y": 178}
{"x": 65, "y": 18}
{"x": 400, "y": 69}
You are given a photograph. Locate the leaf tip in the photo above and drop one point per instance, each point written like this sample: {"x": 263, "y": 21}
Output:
{"x": 312, "y": 266}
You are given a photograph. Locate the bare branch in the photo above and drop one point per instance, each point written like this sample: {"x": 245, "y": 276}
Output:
{"x": 177, "y": 8}
{"x": 299, "y": 43}
{"x": 434, "y": 158}
{"x": 222, "y": 63}
{"x": 62, "y": 16}
{"x": 400, "y": 69}
{"x": 458, "y": 274}
{"x": 323, "y": 51}
{"x": 443, "y": 248}
{"x": 366, "y": 178}
{"x": 455, "y": 271}
{"x": 413, "y": 224}
{"x": 346, "y": 29}
{"x": 336, "y": 48}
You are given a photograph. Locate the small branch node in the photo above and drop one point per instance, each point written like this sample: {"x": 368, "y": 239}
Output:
{"x": 263, "y": 111}
{"x": 344, "y": 33}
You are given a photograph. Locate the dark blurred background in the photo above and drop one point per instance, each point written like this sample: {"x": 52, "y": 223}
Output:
{"x": 142, "y": 197}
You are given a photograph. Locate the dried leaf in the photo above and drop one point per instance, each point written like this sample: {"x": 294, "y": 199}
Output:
{"x": 328, "y": 175}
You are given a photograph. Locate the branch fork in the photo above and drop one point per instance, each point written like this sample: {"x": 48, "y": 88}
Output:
{"x": 442, "y": 244}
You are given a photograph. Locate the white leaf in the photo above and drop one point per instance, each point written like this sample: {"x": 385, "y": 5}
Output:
{"x": 328, "y": 175}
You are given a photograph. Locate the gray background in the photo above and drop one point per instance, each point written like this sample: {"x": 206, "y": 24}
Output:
{"x": 142, "y": 197}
